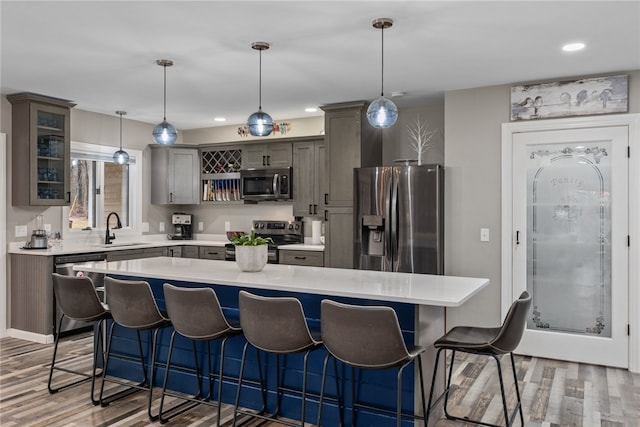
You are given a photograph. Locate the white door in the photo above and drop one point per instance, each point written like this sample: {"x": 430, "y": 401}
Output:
{"x": 570, "y": 248}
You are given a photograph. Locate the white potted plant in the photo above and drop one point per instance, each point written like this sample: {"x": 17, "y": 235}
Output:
{"x": 251, "y": 251}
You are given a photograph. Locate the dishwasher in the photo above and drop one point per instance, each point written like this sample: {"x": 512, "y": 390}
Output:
{"x": 64, "y": 265}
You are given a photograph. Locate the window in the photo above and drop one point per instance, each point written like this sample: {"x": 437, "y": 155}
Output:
{"x": 98, "y": 186}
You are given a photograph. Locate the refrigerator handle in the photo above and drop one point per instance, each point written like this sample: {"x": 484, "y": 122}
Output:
{"x": 393, "y": 238}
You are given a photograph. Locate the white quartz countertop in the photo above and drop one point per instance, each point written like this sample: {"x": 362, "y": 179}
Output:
{"x": 302, "y": 247}
{"x": 422, "y": 289}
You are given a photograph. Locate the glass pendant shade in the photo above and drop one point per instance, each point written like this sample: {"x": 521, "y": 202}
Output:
{"x": 121, "y": 157}
{"x": 260, "y": 124}
{"x": 382, "y": 113}
{"x": 164, "y": 133}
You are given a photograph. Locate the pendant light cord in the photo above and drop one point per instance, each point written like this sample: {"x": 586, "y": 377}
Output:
{"x": 382, "y": 74}
{"x": 165, "y": 91}
{"x": 120, "y": 131}
{"x": 260, "y": 83}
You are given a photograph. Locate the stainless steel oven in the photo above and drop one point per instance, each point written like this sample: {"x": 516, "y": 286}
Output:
{"x": 281, "y": 232}
{"x": 266, "y": 184}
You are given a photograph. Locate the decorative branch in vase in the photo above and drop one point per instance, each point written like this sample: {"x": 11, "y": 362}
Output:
{"x": 420, "y": 136}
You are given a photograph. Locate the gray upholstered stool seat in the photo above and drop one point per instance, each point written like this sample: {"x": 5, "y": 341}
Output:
{"x": 78, "y": 301}
{"x": 491, "y": 342}
{"x": 133, "y": 306}
{"x": 195, "y": 314}
{"x": 274, "y": 325}
{"x": 366, "y": 337}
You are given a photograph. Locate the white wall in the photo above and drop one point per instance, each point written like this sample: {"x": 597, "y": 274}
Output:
{"x": 473, "y": 119}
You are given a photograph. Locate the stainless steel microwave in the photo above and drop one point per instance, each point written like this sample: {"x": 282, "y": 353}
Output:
{"x": 266, "y": 184}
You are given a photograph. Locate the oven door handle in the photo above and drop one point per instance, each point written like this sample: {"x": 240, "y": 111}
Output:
{"x": 276, "y": 184}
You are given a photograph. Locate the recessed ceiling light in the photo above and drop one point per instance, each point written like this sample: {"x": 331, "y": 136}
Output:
{"x": 310, "y": 110}
{"x": 220, "y": 119}
{"x": 573, "y": 47}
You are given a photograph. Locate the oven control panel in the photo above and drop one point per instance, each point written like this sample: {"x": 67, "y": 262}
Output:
{"x": 278, "y": 228}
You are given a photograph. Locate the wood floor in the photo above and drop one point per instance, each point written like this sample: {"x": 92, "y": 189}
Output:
{"x": 554, "y": 393}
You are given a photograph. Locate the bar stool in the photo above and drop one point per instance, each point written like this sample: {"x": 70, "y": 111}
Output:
{"x": 133, "y": 306}
{"x": 79, "y": 301}
{"x": 195, "y": 314}
{"x": 492, "y": 342}
{"x": 366, "y": 337}
{"x": 274, "y": 325}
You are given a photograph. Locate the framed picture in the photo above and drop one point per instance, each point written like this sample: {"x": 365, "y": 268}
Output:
{"x": 599, "y": 95}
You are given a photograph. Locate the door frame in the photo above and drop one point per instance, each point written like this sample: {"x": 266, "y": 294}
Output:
{"x": 3, "y": 236}
{"x": 632, "y": 121}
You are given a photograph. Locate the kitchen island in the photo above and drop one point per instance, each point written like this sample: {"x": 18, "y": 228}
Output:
{"x": 419, "y": 300}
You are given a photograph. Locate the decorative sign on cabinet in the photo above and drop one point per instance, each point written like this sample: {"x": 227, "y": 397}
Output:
{"x": 41, "y": 157}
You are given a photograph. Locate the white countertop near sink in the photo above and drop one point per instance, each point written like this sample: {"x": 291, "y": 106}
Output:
{"x": 65, "y": 247}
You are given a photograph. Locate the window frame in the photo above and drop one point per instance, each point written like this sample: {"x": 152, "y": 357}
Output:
{"x": 135, "y": 192}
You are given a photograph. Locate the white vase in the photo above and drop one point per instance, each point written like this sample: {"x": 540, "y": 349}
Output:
{"x": 251, "y": 258}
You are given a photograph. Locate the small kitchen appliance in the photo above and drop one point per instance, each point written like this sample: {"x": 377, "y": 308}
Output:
{"x": 281, "y": 232}
{"x": 182, "y": 226}
{"x": 38, "y": 235}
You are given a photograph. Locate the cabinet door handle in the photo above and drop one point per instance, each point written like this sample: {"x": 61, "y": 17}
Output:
{"x": 300, "y": 257}
{"x": 326, "y": 198}
{"x": 268, "y": 160}
{"x": 517, "y": 237}
{"x": 325, "y": 215}
{"x": 264, "y": 160}
{"x": 212, "y": 253}
{"x": 315, "y": 209}
{"x": 310, "y": 209}
{"x": 170, "y": 197}
{"x": 68, "y": 196}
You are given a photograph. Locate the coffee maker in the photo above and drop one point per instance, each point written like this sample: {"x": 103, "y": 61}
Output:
{"x": 182, "y": 226}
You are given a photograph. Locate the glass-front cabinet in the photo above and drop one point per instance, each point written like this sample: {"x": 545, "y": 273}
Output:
{"x": 41, "y": 150}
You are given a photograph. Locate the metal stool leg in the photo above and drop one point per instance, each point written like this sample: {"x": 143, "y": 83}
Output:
{"x": 515, "y": 381}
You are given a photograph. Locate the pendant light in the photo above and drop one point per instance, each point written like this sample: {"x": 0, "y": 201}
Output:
{"x": 165, "y": 133}
{"x": 121, "y": 157}
{"x": 382, "y": 113}
{"x": 260, "y": 123}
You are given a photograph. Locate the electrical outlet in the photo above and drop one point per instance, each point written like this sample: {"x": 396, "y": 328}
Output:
{"x": 484, "y": 234}
{"x": 21, "y": 231}
{"x": 227, "y": 226}
{"x": 161, "y": 227}
{"x": 200, "y": 226}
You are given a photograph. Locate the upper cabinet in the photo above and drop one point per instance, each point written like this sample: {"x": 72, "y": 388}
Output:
{"x": 175, "y": 172}
{"x": 41, "y": 150}
{"x": 308, "y": 163}
{"x": 220, "y": 173}
{"x": 269, "y": 155}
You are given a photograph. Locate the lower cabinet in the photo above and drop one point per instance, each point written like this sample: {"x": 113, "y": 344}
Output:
{"x": 310, "y": 258}
{"x": 211, "y": 252}
{"x": 190, "y": 252}
{"x": 136, "y": 254}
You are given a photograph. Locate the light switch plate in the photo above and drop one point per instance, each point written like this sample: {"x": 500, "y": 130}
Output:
{"x": 21, "y": 231}
{"x": 161, "y": 227}
{"x": 200, "y": 226}
{"x": 484, "y": 234}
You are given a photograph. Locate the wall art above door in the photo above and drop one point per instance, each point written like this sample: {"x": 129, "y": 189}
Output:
{"x": 599, "y": 95}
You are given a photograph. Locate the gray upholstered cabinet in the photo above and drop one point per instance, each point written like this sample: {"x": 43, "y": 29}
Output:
{"x": 271, "y": 155}
{"x": 350, "y": 142}
{"x": 308, "y": 165}
{"x": 175, "y": 174}
{"x": 41, "y": 146}
{"x": 295, "y": 257}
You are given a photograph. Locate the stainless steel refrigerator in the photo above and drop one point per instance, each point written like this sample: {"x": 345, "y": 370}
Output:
{"x": 398, "y": 214}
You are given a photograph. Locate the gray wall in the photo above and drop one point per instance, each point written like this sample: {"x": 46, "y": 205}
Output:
{"x": 472, "y": 152}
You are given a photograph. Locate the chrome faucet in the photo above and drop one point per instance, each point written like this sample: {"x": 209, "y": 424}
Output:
{"x": 108, "y": 238}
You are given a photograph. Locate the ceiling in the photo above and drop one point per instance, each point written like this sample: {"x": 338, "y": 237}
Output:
{"x": 101, "y": 54}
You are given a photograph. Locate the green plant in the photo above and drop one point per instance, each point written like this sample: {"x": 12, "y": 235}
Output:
{"x": 251, "y": 240}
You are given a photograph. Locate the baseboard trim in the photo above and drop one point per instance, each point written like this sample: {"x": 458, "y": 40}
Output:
{"x": 30, "y": 336}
